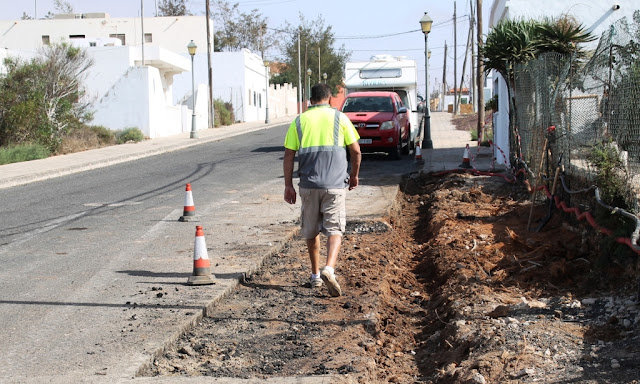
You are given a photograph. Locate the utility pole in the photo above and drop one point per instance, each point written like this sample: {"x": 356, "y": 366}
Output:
{"x": 472, "y": 77}
{"x": 480, "y": 77}
{"x": 209, "y": 70}
{"x": 444, "y": 78}
{"x": 455, "y": 60}
{"x": 464, "y": 63}
{"x": 306, "y": 65}
{"x": 142, "y": 25}
{"x": 299, "y": 77}
{"x": 319, "y": 73}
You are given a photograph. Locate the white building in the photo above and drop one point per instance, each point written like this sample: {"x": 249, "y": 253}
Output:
{"x": 595, "y": 15}
{"x": 137, "y": 82}
{"x": 240, "y": 78}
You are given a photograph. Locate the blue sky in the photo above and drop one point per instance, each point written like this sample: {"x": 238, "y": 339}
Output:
{"x": 364, "y": 27}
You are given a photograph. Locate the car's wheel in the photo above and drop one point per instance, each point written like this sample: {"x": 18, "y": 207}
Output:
{"x": 406, "y": 149}
{"x": 396, "y": 152}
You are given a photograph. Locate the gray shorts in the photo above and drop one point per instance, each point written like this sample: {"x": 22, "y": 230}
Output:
{"x": 323, "y": 210}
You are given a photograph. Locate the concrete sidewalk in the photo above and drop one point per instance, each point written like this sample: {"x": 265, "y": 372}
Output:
{"x": 243, "y": 251}
{"x": 448, "y": 147}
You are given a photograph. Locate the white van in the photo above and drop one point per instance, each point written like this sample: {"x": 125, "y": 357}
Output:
{"x": 388, "y": 73}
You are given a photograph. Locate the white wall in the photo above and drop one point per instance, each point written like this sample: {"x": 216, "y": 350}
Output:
{"x": 501, "y": 119}
{"x": 595, "y": 15}
{"x": 127, "y": 103}
{"x": 172, "y": 33}
{"x": 283, "y": 100}
{"x": 167, "y": 52}
{"x": 234, "y": 73}
{"x": 110, "y": 64}
{"x": 239, "y": 78}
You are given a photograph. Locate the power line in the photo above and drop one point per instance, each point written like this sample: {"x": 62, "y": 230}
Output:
{"x": 442, "y": 24}
{"x": 364, "y": 37}
{"x": 265, "y": 2}
{"x": 408, "y": 49}
{"x": 386, "y": 50}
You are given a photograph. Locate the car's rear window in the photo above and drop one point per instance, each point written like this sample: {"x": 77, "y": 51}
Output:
{"x": 367, "y": 104}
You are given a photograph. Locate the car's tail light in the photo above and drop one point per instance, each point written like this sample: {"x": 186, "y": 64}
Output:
{"x": 386, "y": 125}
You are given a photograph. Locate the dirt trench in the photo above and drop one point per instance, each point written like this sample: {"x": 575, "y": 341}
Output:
{"x": 451, "y": 288}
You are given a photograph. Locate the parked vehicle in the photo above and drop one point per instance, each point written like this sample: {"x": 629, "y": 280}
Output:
{"x": 382, "y": 121}
{"x": 388, "y": 73}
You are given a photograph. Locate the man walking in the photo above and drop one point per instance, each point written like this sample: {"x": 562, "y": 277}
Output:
{"x": 320, "y": 136}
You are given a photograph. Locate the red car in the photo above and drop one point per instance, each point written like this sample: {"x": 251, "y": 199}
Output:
{"x": 382, "y": 121}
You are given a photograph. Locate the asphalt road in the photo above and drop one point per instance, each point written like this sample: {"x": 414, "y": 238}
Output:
{"x": 63, "y": 241}
{"x": 94, "y": 264}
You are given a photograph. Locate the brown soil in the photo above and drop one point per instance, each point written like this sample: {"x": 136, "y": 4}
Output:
{"x": 453, "y": 290}
{"x": 465, "y": 122}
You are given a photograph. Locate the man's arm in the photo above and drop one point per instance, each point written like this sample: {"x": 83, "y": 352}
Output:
{"x": 356, "y": 158}
{"x": 287, "y": 166}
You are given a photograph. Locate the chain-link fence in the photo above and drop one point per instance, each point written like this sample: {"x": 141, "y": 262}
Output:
{"x": 593, "y": 101}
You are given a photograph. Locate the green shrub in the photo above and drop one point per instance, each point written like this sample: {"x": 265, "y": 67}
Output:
{"x": 129, "y": 134}
{"x": 223, "y": 113}
{"x": 491, "y": 104}
{"x": 23, "y": 152}
{"x": 611, "y": 174}
{"x": 105, "y": 135}
{"x": 488, "y": 135}
{"x": 40, "y": 97}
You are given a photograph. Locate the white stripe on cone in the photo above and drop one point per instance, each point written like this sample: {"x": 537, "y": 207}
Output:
{"x": 200, "y": 249}
{"x": 188, "y": 199}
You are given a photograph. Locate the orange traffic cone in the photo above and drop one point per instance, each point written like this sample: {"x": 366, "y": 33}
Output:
{"x": 466, "y": 163}
{"x": 418, "y": 152}
{"x": 201, "y": 264}
{"x": 189, "y": 208}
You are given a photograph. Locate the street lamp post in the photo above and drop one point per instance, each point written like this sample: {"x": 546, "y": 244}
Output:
{"x": 266, "y": 93}
{"x": 192, "y": 51}
{"x": 425, "y": 24}
{"x": 324, "y": 77}
{"x": 308, "y": 86}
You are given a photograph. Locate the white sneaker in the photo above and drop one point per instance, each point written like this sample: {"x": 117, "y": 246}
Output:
{"x": 330, "y": 280}
{"x": 315, "y": 283}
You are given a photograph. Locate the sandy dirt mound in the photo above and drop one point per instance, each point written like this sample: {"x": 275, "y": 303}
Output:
{"x": 451, "y": 288}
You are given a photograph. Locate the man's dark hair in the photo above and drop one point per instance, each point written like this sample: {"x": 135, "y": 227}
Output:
{"x": 320, "y": 92}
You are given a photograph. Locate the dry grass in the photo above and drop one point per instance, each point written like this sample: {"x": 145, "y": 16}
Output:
{"x": 465, "y": 122}
{"x": 85, "y": 138}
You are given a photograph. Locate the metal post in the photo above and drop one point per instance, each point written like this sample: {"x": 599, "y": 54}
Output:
{"x": 209, "y": 70}
{"x": 194, "y": 135}
{"x": 142, "y": 26}
{"x": 300, "y": 85}
{"x": 308, "y": 87}
{"x": 426, "y": 140}
{"x": 266, "y": 93}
